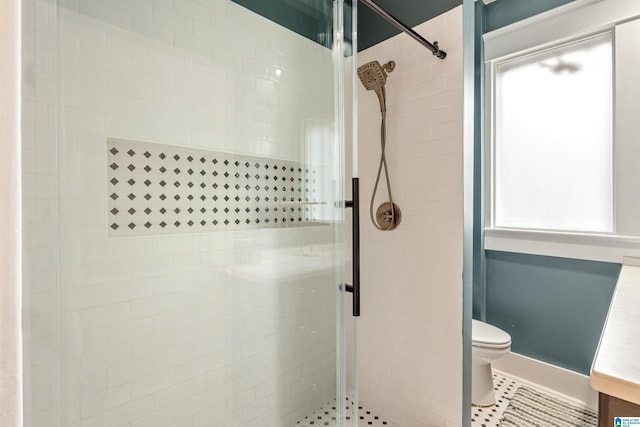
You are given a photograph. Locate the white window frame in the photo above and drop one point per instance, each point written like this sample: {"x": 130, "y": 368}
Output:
{"x": 574, "y": 21}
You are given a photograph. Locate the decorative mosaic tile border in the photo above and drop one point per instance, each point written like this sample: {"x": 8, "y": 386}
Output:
{"x": 162, "y": 189}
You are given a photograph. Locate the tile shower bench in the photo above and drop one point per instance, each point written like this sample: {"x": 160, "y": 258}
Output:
{"x": 615, "y": 373}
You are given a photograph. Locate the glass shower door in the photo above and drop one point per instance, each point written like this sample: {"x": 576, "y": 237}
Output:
{"x": 185, "y": 269}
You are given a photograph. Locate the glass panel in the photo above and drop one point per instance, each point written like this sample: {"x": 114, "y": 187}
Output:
{"x": 554, "y": 109}
{"x": 198, "y": 151}
{"x": 350, "y": 55}
{"x": 41, "y": 247}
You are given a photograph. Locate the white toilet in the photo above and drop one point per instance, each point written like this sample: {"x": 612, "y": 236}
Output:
{"x": 489, "y": 344}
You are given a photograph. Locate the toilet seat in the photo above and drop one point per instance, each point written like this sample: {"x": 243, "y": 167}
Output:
{"x": 485, "y": 335}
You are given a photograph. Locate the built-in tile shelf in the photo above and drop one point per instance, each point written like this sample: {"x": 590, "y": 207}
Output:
{"x": 162, "y": 189}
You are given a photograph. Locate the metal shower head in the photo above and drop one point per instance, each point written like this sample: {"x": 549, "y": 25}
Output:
{"x": 374, "y": 76}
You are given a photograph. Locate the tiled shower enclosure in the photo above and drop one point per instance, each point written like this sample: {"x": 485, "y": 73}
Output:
{"x": 182, "y": 238}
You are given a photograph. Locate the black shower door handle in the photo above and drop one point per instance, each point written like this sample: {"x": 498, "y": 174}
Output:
{"x": 354, "y": 204}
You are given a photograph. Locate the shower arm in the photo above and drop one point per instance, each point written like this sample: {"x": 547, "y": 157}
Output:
{"x": 433, "y": 47}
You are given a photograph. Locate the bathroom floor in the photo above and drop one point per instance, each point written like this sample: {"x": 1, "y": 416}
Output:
{"x": 490, "y": 417}
{"x": 325, "y": 416}
{"x": 505, "y": 388}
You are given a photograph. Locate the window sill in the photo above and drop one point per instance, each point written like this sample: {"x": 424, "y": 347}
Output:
{"x": 593, "y": 247}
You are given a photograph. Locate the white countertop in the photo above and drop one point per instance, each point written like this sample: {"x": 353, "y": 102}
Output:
{"x": 616, "y": 366}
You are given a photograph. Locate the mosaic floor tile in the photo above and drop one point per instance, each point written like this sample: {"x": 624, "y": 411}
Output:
{"x": 505, "y": 388}
{"x": 326, "y": 416}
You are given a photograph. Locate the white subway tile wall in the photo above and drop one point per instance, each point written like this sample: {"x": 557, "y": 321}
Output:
{"x": 202, "y": 329}
{"x": 410, "y": 335}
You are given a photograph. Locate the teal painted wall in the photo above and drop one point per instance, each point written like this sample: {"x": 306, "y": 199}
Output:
{"x": 501, "y": 12}
{"x": 312, "y": 18}
{"x": 479, "y": 288}
{"x": 309, "y": 18}
{"x": 373, "y": 29}
{"x": 554, "y": 308}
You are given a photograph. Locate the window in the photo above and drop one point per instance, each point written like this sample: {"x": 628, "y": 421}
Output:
{"x": 562, "y": 133}
{"x": 553, "y": 139}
